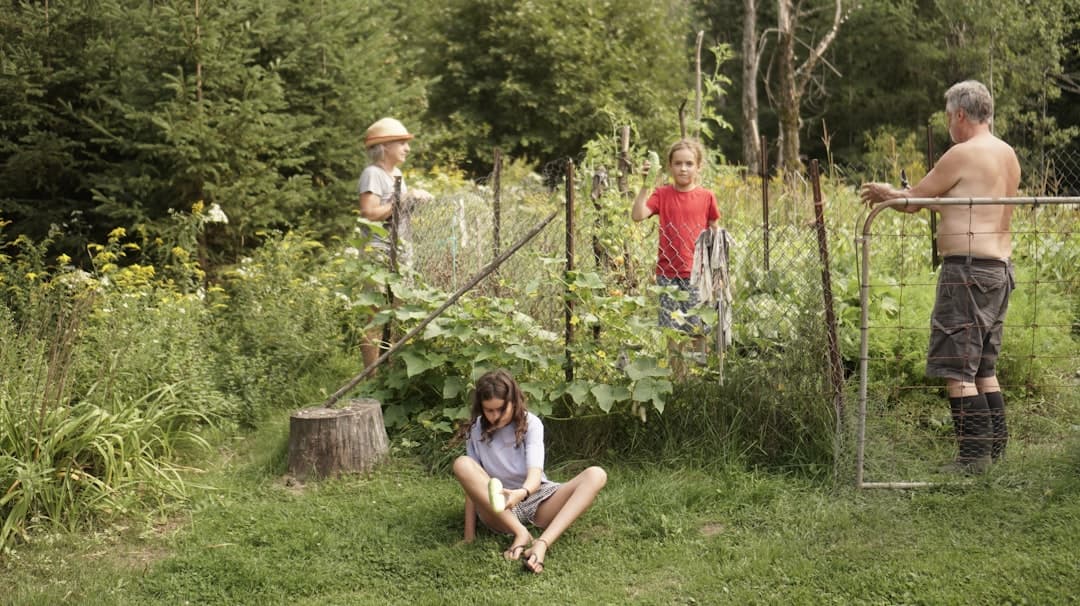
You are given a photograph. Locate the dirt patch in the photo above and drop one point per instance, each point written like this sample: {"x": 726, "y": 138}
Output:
{"x": 712, "y": 529}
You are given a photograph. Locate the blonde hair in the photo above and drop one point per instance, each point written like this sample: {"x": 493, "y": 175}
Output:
{"x": 691, "y": 144}
{"x": 375, "y": 153}
{"x": 694, "y": 146}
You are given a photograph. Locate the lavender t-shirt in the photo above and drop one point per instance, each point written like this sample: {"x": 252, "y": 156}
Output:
{"x": 501, "y": 459}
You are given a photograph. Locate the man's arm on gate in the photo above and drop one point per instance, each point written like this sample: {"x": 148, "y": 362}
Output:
{"x": 944, "y": 177}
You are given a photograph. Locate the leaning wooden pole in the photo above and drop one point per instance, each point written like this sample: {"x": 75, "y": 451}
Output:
{"x": 697, "y": 84}
{"x": 480, "y": 275}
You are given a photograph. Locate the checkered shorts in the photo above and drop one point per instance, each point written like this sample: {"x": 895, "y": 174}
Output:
{"x": 526, "y": 510}
{"x": 688, "y": 323}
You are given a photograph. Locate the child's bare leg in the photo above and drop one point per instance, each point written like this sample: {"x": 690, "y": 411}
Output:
{"x": 474, "y": 481}
{"x": 700, "y": 344}
{"x": 561, "y": 509}
{"x": 675, "y": 358}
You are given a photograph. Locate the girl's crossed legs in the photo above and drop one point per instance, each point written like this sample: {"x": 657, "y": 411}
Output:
{"x": 554, "y": 515}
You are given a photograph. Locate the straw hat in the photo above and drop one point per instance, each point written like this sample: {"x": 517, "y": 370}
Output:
{"x": 384, "y": 131}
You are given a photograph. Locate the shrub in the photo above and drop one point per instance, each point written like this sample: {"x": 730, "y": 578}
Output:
{"x": 108, "y": 380}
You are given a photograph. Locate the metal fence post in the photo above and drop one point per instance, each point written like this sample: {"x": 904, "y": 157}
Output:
{"x": 569, "y": 305}
{"x": 935, "y": 258}
{"x": 765, "y": 201}
{"x": 836, "y": 365}
{"x": 625, "y": 167}
{"x": 395, "y": 213}
{"x": 496, "y": 204}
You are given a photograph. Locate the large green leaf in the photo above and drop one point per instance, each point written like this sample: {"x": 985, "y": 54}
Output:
{"x": 607, "y": 395}
{"x": 535, "y": 391}
{"x": 645, "y": 366}
{"x": 416, "y": 362}
{"x": 652, "y": 390}
{"x": 452, "y": 387}
{"x": 579, "y": 391}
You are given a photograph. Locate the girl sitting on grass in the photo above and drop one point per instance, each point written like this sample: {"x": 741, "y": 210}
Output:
{"x": 506, "y": 441}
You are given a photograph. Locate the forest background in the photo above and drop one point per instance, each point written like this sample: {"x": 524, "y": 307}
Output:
{"x": 179, "y": 256}
{"x": 114, "y": 113}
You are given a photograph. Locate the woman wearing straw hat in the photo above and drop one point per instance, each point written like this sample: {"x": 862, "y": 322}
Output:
{"x": 387, "y": 143}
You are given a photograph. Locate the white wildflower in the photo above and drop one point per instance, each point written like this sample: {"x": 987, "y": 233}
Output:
{"x": 214, "y": 214}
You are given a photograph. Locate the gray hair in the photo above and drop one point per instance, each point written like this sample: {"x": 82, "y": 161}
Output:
{"x": 972, "y": 97}
{"x": 375, "y": 153}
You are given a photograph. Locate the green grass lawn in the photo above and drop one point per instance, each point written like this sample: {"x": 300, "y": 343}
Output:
{"x": 656, "y": 536}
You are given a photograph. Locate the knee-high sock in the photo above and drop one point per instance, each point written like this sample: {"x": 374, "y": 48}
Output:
{"x": 1000, "y": 430}
{"x": 974, "y": 436}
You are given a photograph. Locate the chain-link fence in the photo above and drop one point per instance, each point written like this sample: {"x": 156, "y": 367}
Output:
{"x": 1053, "y": 172}
{"x": 786, "y": 352}
{"x": 772, "y": 280}
{"x": 774, "y": 346}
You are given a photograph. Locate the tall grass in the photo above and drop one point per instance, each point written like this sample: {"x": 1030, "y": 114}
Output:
{"x": 106, "y": 384}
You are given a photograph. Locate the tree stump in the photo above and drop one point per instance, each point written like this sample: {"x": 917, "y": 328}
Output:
{"x": 330, "y": 441}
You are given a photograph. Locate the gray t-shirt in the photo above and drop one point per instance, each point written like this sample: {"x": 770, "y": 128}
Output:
{"x": 501, "y": 459}
{"x": 377, "y": 181}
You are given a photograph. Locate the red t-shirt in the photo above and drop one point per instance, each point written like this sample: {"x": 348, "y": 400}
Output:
{"x": 683, "y": 216}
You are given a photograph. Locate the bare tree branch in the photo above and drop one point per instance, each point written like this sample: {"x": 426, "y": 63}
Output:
{"x": 802, "y": 74}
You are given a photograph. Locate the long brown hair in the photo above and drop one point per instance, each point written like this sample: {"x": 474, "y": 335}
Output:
{"x": 498, "y": 384}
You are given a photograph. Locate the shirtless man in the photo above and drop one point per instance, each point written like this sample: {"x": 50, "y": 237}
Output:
{"x": 976, "y": 274}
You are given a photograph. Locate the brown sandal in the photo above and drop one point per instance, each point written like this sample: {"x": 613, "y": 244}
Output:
{"x": 514, "y": 552}
{"x": 537, "y": 564}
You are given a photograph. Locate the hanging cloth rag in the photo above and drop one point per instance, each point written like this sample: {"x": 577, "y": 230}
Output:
{"x": 709, "y": 274}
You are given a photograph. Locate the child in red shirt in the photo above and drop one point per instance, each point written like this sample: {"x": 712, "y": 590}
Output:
{"x": 685, "y": 209}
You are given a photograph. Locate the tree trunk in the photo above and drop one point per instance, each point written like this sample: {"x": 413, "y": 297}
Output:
{"x": 793, "y": 82}
{"x": 751, "y": 136}
{"x": 329, "y": 441}
{"x": 789, "y": 96}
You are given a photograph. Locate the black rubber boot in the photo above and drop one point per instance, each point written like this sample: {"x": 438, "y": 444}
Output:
{"x": 995, "y": 402}
{"x": 974, "y": 436}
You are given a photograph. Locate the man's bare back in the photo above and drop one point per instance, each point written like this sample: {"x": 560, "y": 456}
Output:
{"x": 979, "y": 165}
{"x": 984, "y": 167}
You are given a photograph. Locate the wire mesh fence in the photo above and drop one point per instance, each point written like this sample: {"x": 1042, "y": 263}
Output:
{"x": 908, "y": 429}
